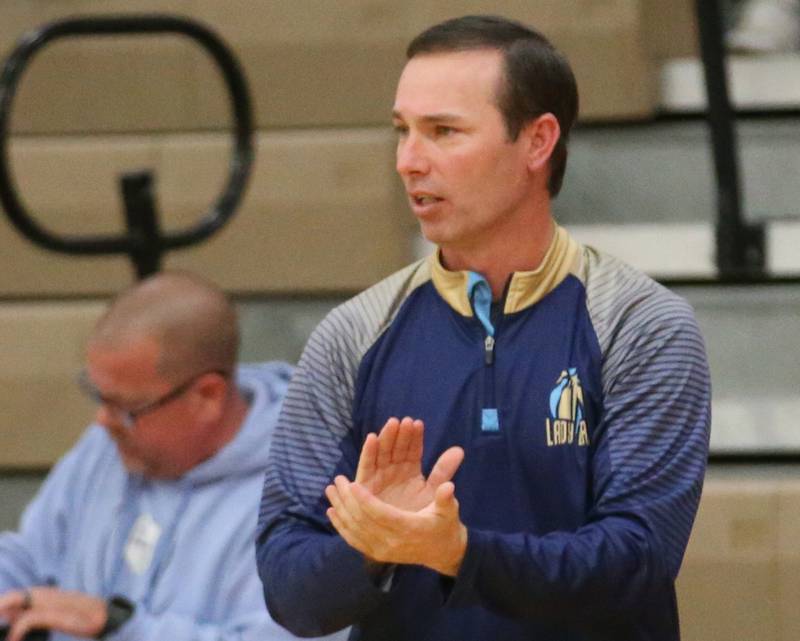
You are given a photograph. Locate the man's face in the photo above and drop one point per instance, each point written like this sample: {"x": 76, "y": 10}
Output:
{"x": 157, "y": 443}
{"x": 465, "y": 179}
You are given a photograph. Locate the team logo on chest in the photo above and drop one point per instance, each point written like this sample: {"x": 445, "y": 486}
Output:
{"x": 567, "y": 423}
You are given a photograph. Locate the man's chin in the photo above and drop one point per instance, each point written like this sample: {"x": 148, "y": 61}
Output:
{"x": 433, "y": 233}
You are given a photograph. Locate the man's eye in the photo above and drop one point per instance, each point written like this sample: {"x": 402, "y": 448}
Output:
{"x": 400, "y": 130}
{"x": 444, "y": 130}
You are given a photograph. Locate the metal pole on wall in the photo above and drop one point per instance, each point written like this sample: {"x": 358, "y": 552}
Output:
{"x": 740, "y": 246}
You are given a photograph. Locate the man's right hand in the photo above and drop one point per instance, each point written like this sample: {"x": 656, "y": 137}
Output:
{"x": 390, "y": 466}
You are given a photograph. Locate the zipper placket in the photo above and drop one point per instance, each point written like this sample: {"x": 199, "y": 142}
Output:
{"x": 487, "y": 313}
{"x": 489, "y": 347}
{"x": 488, "y": 350}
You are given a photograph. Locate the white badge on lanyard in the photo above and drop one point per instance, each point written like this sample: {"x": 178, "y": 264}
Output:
{"x": 141, "y": 545}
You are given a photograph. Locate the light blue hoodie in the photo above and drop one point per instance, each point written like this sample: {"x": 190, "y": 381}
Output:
{"x": 191, "y": 570}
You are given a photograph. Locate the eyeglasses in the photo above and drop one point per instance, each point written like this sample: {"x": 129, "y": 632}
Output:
{"x": 128, "y": 416}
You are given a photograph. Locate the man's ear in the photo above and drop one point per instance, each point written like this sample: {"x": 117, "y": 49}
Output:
{"x": 211, "y": 390}
{"x": 542, "y": 134}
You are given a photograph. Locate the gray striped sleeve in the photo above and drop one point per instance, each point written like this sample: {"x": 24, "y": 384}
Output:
{"x": 656, "y": 399}
{"x": 317, "y": 410}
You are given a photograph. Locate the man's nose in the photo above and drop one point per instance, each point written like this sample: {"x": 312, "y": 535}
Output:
{"x": 412, "y": 157}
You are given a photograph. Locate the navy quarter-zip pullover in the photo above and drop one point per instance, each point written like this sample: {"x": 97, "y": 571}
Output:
{"x": 583, "y": 410}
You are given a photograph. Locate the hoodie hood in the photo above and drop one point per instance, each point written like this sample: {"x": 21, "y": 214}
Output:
{"x": 264, "y": 386}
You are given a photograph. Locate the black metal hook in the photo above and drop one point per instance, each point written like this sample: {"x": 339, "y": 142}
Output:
{"x": 144, "y": 242}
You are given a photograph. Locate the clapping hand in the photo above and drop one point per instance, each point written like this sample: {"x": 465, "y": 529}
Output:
{"x": 393, "y": 514}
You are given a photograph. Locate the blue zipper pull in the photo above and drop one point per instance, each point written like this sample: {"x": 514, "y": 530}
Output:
{"x": 488, "y": 349}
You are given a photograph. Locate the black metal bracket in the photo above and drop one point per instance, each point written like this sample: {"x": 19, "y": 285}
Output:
{"x": 144, "y": 242}
{"x": 741, "y": 247}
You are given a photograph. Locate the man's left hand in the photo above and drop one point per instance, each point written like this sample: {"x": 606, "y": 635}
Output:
{"x": 433, "y": 536}
{"x": 72, "y": 613}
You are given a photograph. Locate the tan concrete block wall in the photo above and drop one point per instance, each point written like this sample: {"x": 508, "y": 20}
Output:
{"x": 318, "y": 71}
{"x": 324, "y": 210}
{"x": 308, "y": 63}
{"x": 43, "y": 411}
{"x": 739, "y": 578}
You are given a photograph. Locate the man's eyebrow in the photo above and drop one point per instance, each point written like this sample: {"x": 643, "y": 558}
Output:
{"x": 431, "y": 118}
{"x": 115, "y": 398}
{"x": 120, "y": 401}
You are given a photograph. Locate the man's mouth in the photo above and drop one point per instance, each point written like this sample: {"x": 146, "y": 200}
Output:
{"x": 424, "y": 199}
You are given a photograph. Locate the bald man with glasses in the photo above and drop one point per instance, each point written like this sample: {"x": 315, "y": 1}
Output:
{"x": 145, "y": 529}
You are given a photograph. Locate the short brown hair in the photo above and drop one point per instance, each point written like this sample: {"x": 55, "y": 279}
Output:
{"x": 537, "y": 77}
